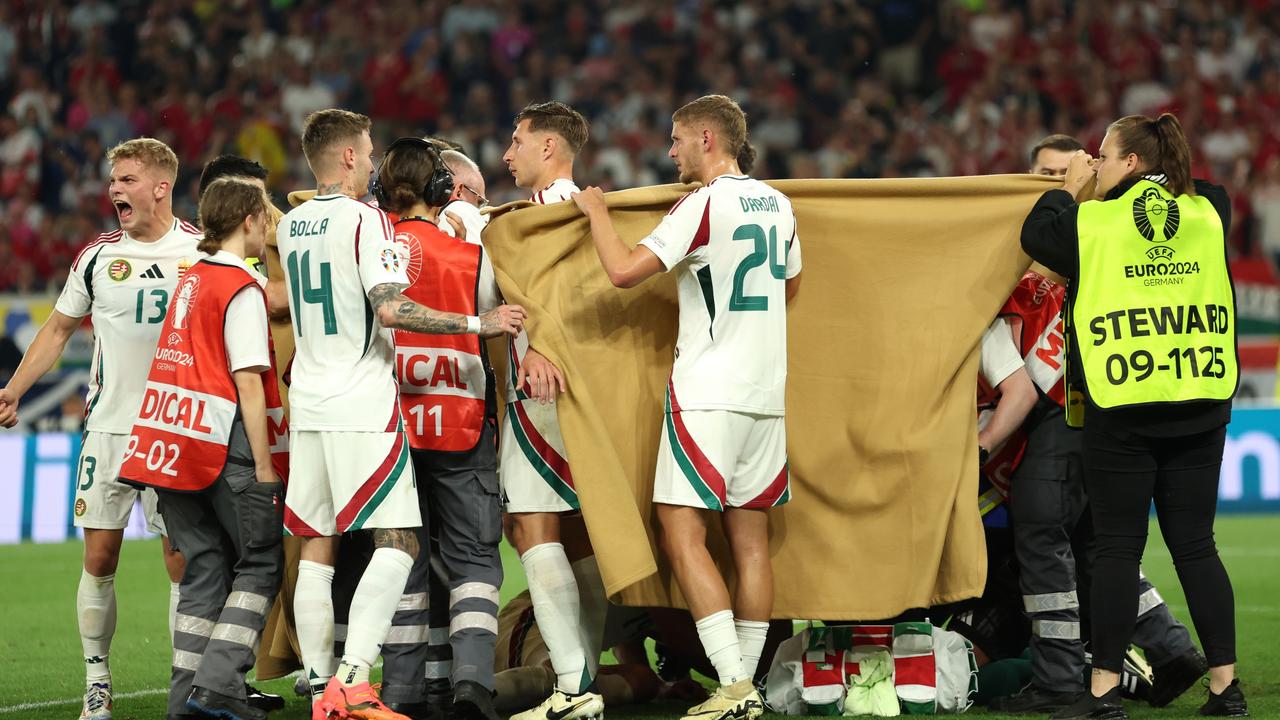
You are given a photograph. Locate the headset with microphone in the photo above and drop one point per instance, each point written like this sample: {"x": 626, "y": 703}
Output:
{"x": 439, "y": 187}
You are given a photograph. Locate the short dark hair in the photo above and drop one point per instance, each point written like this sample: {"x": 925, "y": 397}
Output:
{"x": 1057, "y": 141}
{"x": 558, "y": 118}
{"x": 231, "y": 166}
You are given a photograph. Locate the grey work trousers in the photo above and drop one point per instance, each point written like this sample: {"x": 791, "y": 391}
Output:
{"x": 230, "y": 535}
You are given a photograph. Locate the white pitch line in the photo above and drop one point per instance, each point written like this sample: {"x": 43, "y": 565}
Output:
{"x": 73, "y": 701}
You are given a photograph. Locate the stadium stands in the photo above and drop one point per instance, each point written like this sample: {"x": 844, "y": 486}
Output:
{"x": 871, "y": 89}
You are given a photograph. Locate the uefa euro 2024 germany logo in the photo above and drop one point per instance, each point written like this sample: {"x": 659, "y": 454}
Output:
{"x": 1156, "y": 219}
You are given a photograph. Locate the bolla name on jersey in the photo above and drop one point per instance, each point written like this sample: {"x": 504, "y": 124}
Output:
{"x": 761, "y": 204}
{"x": 307, "y": 228}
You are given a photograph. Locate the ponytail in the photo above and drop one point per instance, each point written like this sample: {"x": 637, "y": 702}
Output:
{"x": 1175, "y": 155}
{"x": 1161, "y": 147}
{"x": 746, "y": 157}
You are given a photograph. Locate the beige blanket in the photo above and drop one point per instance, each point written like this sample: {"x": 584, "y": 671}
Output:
{"x": 900, "y": 278}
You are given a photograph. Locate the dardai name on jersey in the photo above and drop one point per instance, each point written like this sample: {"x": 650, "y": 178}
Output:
{"x": 762, "y": 204}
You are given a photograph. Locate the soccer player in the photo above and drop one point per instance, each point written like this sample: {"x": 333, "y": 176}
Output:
{"x": 350, "y": 468}
{"x": 123, "y": 281}
{"x": 567, "y": 593}
{"x": 218, "y": 470}
{"x": 723, "y": 448}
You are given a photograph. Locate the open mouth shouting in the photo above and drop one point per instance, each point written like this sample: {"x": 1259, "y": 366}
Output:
{"x": 124, "y": 210}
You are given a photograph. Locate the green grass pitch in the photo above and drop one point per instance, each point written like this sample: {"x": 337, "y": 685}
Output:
{"x": 43, "y": 677}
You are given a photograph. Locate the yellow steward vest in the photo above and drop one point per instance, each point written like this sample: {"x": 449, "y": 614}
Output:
{"x": 1154, "y": 311}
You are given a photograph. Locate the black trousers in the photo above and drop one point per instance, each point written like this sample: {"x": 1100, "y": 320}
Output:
{"x": 1124, "y": 473}
{"x": 230, "y": 535}
{"x": 1046, "y": 497}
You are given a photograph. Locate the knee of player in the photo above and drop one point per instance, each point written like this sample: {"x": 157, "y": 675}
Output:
{"x": 100, "y": 562}
{"x": 404, "y": 540}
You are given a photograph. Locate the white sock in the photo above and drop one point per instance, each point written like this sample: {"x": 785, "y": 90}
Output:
{"x": 558, "y": 610}
{"x": 351, "y": 675}
{"x": 313, "y": 620}
{"x": 372, "y": 606}
{"x": 751, "y": 635}
{"x": 173, "y": 606}
{"x": 595, "y": 607}
{"x": 720, "y": 642}
{"x": 96, "y": 616}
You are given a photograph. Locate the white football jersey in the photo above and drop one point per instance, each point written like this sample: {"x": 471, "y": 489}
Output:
{"x": 735, "y": 244}
{"x": 335, "y": 250}
{"x": 125, "y": 286}
{"x": 559, "y": 189}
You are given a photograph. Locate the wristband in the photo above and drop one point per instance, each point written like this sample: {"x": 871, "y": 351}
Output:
{"x": 473, "y": 324}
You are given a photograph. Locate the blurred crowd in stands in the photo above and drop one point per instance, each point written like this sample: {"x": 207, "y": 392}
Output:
{"x": 876, "y": 88}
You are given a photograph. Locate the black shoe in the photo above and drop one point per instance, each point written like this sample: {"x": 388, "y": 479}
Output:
{"x": 1176, "y": 677}
{"x": 216, "y": 705}
{"x": 264, "y": 701}
{"x": 1228, "y": 703}
{"x": 472, "y": 701}
{"x": 421, "y": 710}
{"x": 1088, "y": 707}
{"x": 1032, "y": 699}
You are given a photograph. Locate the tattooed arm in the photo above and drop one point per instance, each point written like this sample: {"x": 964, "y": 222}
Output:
{"x": 397, "y": 311}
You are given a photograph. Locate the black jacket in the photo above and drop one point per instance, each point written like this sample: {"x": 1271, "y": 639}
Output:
{"x": 1049, "y": 235}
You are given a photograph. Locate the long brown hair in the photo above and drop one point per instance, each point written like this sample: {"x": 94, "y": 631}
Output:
{"x": 1161, "y": 146}
{"x": 224, "y": 205}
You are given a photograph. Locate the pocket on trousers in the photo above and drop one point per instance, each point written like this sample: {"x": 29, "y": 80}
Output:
{"x": 239, "y": 475}
{"x": 262, "y": 514}
{"x": 488, "y": 508}
{"x": 1038, "y": 494}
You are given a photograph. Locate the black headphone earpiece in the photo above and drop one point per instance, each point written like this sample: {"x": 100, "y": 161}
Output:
{"x": 439, "y": 187}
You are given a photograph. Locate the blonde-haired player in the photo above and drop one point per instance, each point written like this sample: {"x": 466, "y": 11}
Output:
{"x": 564, "y": 582}
{"x": 350, "y": 465}
{"x": 733, "y": 242}
{"x": 123, "y": 281}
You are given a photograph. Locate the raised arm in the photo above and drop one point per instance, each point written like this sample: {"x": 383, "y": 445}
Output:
{"x": 626, "y": 267}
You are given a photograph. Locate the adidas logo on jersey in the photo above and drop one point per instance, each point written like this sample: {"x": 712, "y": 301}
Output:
{"x": 153, "y": 272}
